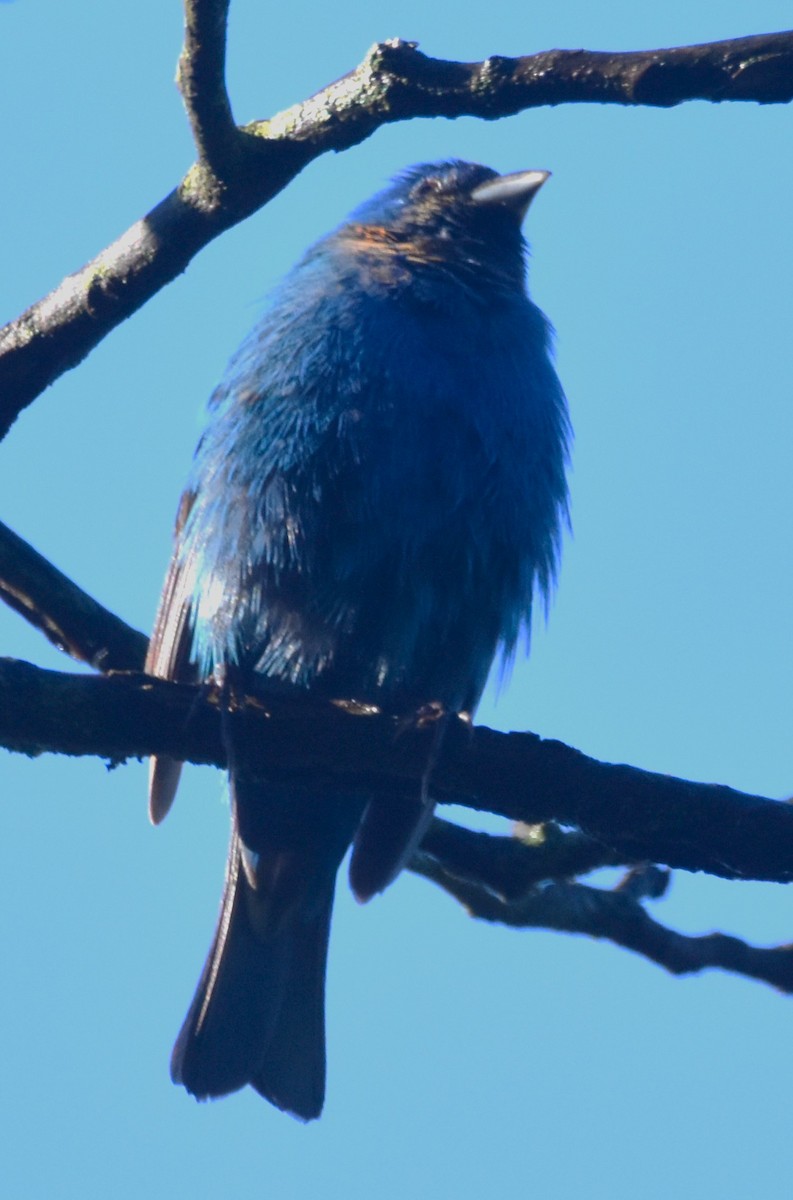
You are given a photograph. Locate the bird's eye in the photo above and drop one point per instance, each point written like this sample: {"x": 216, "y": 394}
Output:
{"x": 426, "y": 187}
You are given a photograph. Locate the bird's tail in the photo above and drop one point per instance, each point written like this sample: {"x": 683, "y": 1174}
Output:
{"x": 258, "y": 1013}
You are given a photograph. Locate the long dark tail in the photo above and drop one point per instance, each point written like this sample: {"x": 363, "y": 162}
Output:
{"x": 258, "y": 1013}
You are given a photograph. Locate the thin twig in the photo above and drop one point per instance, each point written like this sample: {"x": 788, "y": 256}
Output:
{"x": 510, "y": 866}
{"x": 616, "y": 917}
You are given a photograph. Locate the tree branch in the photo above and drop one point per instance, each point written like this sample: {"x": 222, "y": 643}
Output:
{"x": 238, "y": 174}
{"x": 201, "y": 79}
{"x": 640, "y": 815}
{"x": 618, "y": 917}
{"x": 66, "y": 615}
{"x": 396, "y": 82}
{"x": 510, "y": 866}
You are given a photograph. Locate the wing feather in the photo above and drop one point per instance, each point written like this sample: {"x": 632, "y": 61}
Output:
{"x": 169, "y": 657}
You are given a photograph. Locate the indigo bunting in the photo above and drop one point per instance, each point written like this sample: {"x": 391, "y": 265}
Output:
{"x": 374, "y": 506}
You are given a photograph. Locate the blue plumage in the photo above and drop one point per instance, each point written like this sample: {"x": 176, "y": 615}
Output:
{"x": 373, "y": 508}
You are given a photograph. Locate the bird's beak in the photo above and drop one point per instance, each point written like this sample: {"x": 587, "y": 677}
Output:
{"x": 514, "y": 192}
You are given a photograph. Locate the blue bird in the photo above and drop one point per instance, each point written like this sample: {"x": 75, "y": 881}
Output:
{"x": 373, "y": 509}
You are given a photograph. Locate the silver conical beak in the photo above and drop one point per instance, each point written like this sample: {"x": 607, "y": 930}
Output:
{"x": 514, "y": 192}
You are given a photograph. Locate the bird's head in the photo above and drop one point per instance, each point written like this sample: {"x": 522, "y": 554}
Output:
{"x": 460, "y": 215}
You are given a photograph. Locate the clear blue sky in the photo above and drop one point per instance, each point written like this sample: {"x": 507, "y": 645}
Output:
{"x": 464, "y": 1060}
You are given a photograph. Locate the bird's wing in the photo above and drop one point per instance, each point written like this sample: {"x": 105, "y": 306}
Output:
{"x": 168, "y": 657}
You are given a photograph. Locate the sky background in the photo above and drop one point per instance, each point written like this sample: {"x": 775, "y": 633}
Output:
{"x": 464, "y": 1060}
